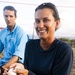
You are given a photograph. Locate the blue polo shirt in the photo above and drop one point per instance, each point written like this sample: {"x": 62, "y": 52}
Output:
{"x": 12, "y": 43}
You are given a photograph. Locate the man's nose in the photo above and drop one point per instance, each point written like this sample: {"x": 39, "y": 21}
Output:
{"x": 8, "y": 18}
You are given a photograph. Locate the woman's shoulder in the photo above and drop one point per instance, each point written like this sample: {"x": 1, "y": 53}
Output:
{"x": 32, "y": 44}
{"x": 31, "y": 41}
{"x": 63, "y": 45}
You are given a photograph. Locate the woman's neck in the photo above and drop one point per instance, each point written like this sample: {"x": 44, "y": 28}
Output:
{"x": 46, "y": 44}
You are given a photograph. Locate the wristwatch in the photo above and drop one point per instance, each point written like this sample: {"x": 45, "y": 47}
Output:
{"x": 2, "y": 69}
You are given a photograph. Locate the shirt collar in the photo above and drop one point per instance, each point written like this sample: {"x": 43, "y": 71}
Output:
{"x": 13, "y": 29}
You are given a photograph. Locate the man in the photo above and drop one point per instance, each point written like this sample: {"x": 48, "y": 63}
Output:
{"x": 12, "y": 40}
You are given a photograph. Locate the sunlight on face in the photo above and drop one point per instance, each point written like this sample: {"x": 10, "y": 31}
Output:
{"x": 45, "y": 23}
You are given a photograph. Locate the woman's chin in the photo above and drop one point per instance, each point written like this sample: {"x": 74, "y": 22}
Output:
{"x": 42, "y": 37}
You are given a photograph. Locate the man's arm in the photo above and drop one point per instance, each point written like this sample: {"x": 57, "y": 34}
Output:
{"x": 11, "y": 61}
{"x": 7, "y": 65}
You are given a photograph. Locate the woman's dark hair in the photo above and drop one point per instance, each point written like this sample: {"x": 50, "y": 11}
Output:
{"x": 10, "y": 8}
{"x": 50, "y": 6}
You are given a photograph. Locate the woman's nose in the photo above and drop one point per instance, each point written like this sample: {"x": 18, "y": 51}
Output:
{"x": 41, "y": 24}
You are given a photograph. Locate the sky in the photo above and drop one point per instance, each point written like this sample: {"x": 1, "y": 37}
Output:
{"x": 25, "y": 15}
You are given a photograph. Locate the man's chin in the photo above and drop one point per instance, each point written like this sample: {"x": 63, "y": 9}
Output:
{"x": 9, "y": 25}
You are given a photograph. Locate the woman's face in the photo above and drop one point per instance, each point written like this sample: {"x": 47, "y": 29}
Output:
{"x": 45, "y": 23}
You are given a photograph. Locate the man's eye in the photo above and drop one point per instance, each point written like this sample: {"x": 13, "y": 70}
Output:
{"x": 11, "y": 16}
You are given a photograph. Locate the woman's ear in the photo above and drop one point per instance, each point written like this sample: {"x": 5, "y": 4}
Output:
{"x": 57, "y": 24}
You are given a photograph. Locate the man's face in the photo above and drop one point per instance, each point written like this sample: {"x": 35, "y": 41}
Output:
{"x": 9, "y": 17}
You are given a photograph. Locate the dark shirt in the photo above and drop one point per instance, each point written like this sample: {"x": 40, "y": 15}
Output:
{"x": 57, "y": 60}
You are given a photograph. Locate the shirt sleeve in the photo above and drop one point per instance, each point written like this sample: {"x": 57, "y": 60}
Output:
{"x": 20, "y": 47}
{"x": 25, "y": 61}
{"x": 31, "y": 73}
{"x": 63, "y": 62}
{"x": 1, "y": 46}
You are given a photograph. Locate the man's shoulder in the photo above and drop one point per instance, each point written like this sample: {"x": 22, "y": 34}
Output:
{"x": 3, "y": 31}
{"x": 18, "y": 29}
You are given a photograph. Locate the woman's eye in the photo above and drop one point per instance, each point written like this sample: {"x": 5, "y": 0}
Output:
{"x": 37, "y": 21}
{"x": 6, "y": 16}
{"x": 45, "y": 20}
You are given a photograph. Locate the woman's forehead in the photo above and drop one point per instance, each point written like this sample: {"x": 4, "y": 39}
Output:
{"x": 43, "y": 13}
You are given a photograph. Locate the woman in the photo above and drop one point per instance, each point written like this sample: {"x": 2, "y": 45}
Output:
{"x": 47, "y": 55}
